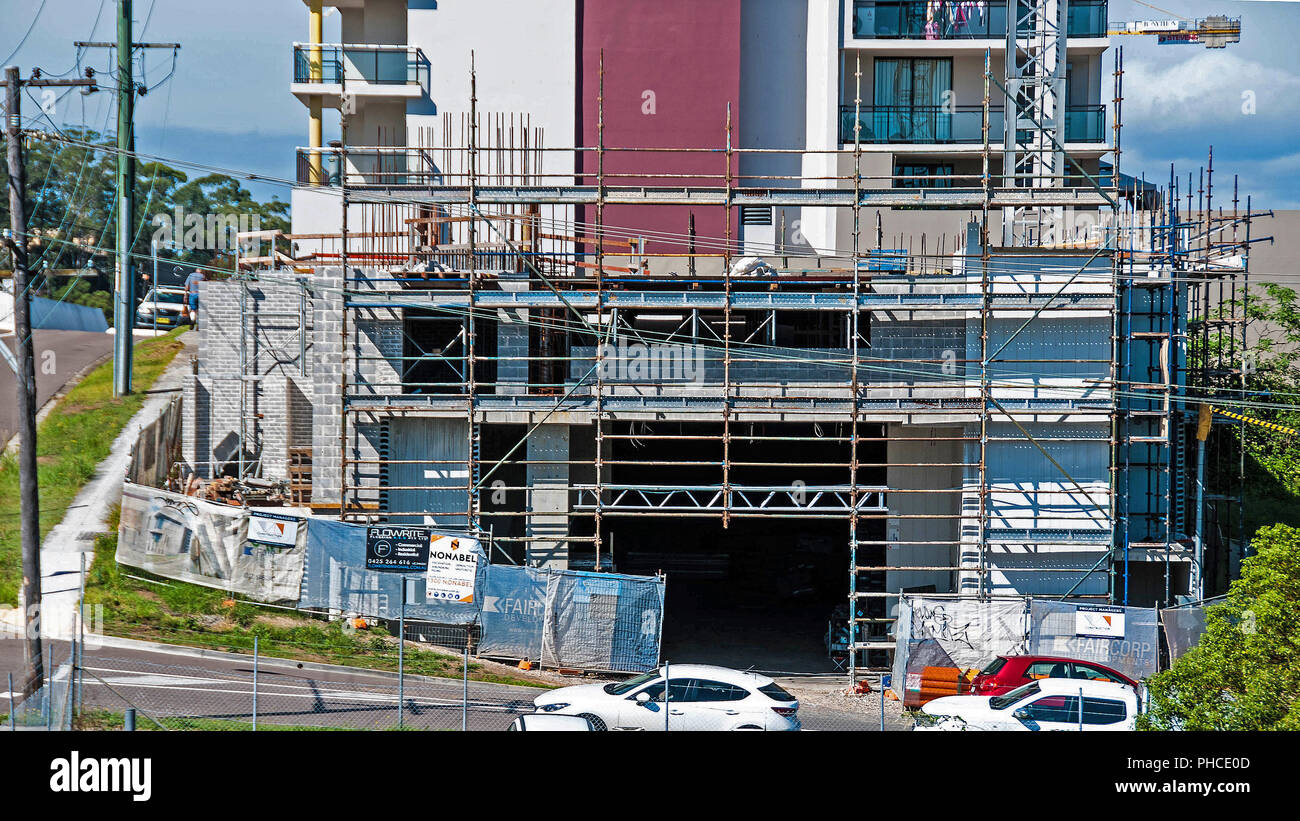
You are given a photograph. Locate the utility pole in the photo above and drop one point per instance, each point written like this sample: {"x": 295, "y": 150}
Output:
{"x": 124, "y": 288}
{"x": 30, "y": 593}
{"x": 25, "y": 378}
{"x": 124, "y": 293}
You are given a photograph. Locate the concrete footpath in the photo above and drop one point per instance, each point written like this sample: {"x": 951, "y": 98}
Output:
{"x": 63, "y": 547}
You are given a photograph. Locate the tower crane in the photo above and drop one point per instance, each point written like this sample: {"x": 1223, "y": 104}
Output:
{"x": 1214, "y": 31}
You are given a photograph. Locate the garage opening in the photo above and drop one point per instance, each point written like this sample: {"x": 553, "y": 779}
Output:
{"x": 760, "y": 593}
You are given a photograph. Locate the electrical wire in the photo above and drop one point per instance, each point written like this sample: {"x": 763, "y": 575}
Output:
{"x": 23, "y": 41}
{"x": 623, "y": 232}
{"x": 1178, "y": 392}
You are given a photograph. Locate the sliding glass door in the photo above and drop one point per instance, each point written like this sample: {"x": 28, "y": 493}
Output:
{"x": 913, "y": 100}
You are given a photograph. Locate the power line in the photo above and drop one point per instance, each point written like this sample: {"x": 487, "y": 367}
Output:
{"x": 23, "y": 41}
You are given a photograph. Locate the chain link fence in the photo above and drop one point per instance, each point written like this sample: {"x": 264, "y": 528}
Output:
{"x": 228, "y": 688}
{"x": 119, "y": 685}
{"x": 49, "y": 706}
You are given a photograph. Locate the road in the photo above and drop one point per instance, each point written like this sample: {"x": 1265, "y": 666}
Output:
{"x": 60, "y": 355}
{"x": 166, "y": 685}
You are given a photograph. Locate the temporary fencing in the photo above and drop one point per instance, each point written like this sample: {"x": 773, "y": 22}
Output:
{"x": 561, "y": 618}
{"x": 951, "y": 634}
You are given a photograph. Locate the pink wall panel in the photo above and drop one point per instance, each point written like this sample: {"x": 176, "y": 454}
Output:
{"x": 671, "y": 68}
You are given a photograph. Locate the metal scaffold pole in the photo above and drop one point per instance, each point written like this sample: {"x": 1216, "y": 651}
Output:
{"x": 472, "y": 443}
{"x": 981, "y": 543}
{"x": 726, "y": 339}
{"x": 599, "y": 421}
{"x": 853, "y": 376}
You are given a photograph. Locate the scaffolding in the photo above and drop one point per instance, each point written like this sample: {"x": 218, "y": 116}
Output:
{"x": 486, "y": 285}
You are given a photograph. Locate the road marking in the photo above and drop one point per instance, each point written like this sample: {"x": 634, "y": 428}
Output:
{"x": 189, "y": 684}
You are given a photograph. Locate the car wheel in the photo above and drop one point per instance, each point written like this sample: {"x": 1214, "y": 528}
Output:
{"x": 597, "y": 723}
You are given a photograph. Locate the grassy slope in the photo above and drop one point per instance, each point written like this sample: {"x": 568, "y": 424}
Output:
{"x": 71, "y": 442}
{"x": 189, "y": 614}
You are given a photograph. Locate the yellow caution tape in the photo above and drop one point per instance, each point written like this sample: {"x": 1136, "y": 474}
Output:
{"x": 1259, "y": 422}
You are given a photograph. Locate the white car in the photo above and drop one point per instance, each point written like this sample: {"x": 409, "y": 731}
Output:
{"x": 550, "y": 723}
{"x": 700, "y": 697}
{"x": 1046, "y": 704}
{"x": 166, "y": 303}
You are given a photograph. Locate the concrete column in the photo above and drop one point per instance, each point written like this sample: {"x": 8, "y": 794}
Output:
{"x": 548, "y": 498}
{"x": 314, "y": 131}
{"x": 822, "y": 119}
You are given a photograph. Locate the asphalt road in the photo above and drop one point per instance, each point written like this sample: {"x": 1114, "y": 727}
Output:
{"x": 60, "y": 355}
{"x": 163, "y": 685}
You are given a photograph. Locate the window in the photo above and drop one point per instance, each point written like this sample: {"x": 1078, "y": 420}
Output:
{"x": 913, "y": 100}
{"x": 1090, "y": 673}
{"x": 1054, "y": 708}
{"x": 718, "y": 691}
{"x": 812, "y": 330}
{"x": 169, "y": 297}
{"x": 1103, "y": 711}
{"x": 922, "y": 175}
{"x": 1048, "y": 669}
{"x": 682, "y": 689}
{"x": 1004, "y": 701}
{"x": 994, "y": 666}
{"x": 655, "y": 691}
{"x": 622, "y": 688}
{"x": 775, "y": 691}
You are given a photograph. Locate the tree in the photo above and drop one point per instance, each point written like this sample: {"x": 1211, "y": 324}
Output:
{"x": 73, "y": 215}
{"x": 1244, "y": 673}
{"x": 1271, "y": 371}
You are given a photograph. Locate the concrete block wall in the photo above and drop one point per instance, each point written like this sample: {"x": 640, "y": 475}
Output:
{"x": 371, "y": 360}
{"x": 512, "y": 341}
{"x": 272, "y": 331}
{"x": 942, "y": 340}
{"x": 327, "y": 386}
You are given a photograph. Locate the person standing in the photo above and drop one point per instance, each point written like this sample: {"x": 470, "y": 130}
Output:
{"x": 192, "y": 294}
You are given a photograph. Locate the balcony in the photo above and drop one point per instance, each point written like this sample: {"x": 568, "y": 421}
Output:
{"x": 907, "y": 20}
{"x": 961, "y": 124}
{"x": 368, "y": 70}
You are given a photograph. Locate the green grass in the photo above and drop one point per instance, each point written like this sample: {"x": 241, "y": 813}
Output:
{"x": 71, "y": 442}
{"x": 187, "y": 614}
{"x": 109, "y": 720}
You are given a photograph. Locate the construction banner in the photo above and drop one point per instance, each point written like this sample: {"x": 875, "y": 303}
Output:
{"x": 969, "y": 633}
{"x": 1122, "y": 638}
{"x": 514, "y": 612}
{"x": 180, "y": 537}
{"x": 336, "y": 577}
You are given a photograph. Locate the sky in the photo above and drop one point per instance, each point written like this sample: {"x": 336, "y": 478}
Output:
{"x": 228, "y": 103}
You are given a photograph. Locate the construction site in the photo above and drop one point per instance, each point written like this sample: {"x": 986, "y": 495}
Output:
{"x": 974, "y": 372}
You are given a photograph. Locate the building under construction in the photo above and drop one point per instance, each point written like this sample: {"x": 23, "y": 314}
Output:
{"x": 941, "y": 351}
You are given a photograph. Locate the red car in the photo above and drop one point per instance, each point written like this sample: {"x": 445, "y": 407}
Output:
{"x": 1006, "y": 673}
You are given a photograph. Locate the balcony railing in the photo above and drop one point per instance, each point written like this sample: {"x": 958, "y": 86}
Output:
{"x": 368, "y": 166}
{"x": 955, "y": 124}
{"x": 368, "y": 64}
{"x": 946, "y": 20}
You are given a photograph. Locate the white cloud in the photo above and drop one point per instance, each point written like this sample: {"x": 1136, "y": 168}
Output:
{"x": 1210, "y": 87}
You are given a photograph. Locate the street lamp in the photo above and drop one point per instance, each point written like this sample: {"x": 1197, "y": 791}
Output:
{"x": 153, "y": 251}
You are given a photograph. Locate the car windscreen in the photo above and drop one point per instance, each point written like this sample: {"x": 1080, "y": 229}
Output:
{"x": 1005, "y": 700}
{"x": 774, "y": 691}
{"x": 620, "y": 688}
{"x": 164, "y": 296}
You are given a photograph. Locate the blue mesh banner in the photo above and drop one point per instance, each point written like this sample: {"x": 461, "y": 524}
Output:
{"x": 514, "y": 609}
{"x": 335, "y": 577}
